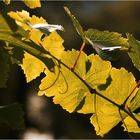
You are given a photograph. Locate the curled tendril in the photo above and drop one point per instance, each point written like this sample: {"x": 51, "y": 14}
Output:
{"x": 65, "y": 83}
{"x": 59, "y": 73}
{"x": 53, "y": 81}
{"x": 96, "y": 113}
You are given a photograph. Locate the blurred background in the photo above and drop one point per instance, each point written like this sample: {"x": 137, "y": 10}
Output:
{"x": 43, "y": 119}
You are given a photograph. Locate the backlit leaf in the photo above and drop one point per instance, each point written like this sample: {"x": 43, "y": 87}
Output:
{"x": 99, "y": 71}
{"x": 24, "y": 20}
{"x": 135, "y": 101}
{"x": 132, "y": 126}
{"x": 107, "y": 115}
{"x": 54, "y": 44}
{"x": 32, "y": 3}
{"x": 68, "y": 90}
{"x": 134, "y": 52}
{"x": 88, "y": 104}
{"x": 32, "y": 66}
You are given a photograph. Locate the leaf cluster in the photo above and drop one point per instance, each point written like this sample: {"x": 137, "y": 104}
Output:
{"x": 93, "y": 86}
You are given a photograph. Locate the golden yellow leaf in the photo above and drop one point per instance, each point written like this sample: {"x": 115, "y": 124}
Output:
{"x": 54, "y": 44}
{"x": 32, "y": 66}
{"x": 32, "y": 3}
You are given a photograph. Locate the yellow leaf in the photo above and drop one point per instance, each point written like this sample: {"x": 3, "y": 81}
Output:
{"x": 131, "y": 125}
{"x": 54, "y": 44}
{"x": 32, "y": 66}
{"x": 107, "y": 115}
{"x": 23, "y": 19}
{"x": 88, "y": 105}
{"x": 32, "y": 3}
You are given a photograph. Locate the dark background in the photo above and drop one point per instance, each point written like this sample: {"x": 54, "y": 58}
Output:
{"x": 44, "y": 119}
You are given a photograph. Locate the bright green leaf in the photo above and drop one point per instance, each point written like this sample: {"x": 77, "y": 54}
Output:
{"x": 131, "y": 125}
{"x": 76, "y": 23}
{"x": 134, "y": 52}
{"x": 32, "y": 3}
{"x": 12, "y": 116}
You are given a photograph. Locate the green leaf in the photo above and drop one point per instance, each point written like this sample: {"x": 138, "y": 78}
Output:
{"x": 32, "y": 4}
{"x": 131, "y": 125}
{"x": 99, "y": 39}
{"x": 134, "y": 52}
{"x": 76, "y": 23}
{"x": 32, "y": 66}
{"x": 107, "y": 115}
{"x": 12, "y": 116}
{"x": 66, "y": 88}
{"x": 106, "y": 38}
{"x": 4, "y": 67}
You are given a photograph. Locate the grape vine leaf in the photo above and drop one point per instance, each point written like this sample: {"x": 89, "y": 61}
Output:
{"x": 135, "y": 101}
{"x": 98, "y": 39}
{"x": 23, "y": 20}
{"x": 32, "y": 66}
{"x": 107, "y": 115}
{"x": 68, "y": 90}
{"x": 4, "y": 67}
{"x": 88, "y": 104}
{"x": 76, "y": 23}
{"x": 132, "y": 126}
{"x": 12, "y": 115}
{"x": 32, "y": 3}
{"x": 53, "y": 44}
{"x": 106, "y": 38}
{"x": 98, "y": 72}
{"x": 134, "y": 52}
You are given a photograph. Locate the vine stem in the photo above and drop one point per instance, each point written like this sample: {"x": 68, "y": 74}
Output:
{"x": 39, "y": 54}
{"x": 95, "y": 92}
{"x": 81, "y": 49}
